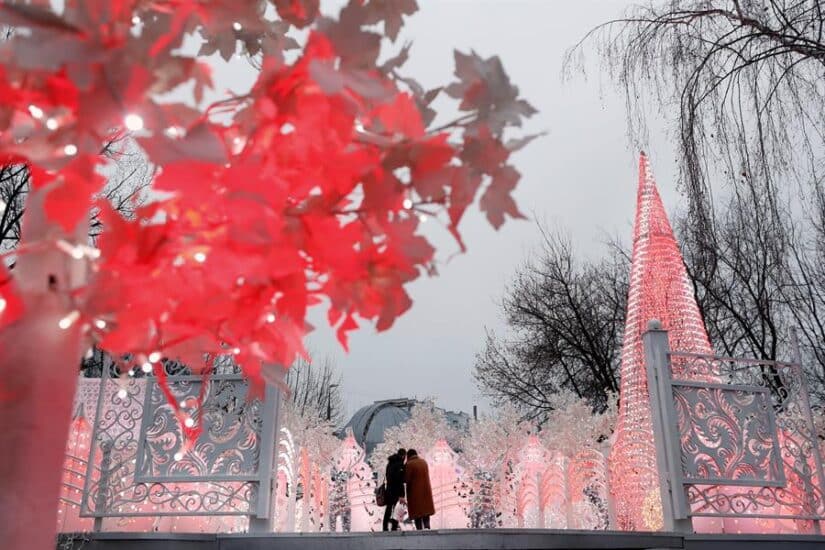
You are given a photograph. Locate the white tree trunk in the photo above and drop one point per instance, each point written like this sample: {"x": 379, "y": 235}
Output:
{"x": 39, "y": 363}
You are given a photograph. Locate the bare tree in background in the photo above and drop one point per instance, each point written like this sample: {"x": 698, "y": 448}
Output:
{"x": 565, "y": 318}
{"x": 762, "y": 277}
{"x": 745, "y": 83}
{"x": 315, "y": 390}
{"x": 126, "y": 189}
{"x": 739, "y": 271}
{"x": 744, "y": 78}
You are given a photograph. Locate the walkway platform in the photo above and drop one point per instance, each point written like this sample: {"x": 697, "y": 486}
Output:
{"x": 471, "y": 539}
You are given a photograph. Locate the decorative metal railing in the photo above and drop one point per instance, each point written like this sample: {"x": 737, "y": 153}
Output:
{"x": 139, "y": 464}
{"x": 736, "y": 440}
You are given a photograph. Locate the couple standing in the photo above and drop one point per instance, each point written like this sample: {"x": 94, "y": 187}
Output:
{"x": 406, "y": 467}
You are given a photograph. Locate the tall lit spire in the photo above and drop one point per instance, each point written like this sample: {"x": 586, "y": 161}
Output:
{"x": 659, "y": 289}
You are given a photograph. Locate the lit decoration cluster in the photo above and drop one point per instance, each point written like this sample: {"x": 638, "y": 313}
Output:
{"x": 659, "y": 289}
{"x": 324, "y": 484}
{"x": 74, "y": 476}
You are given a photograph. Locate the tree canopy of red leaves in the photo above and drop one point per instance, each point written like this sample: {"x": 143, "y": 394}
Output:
{"x": 306, "y": 190}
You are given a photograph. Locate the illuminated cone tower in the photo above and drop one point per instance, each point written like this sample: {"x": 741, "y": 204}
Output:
{"x": 659, "y": 289}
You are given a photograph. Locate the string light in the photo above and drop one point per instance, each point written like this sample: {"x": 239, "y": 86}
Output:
{"x": 236, "y": 351}
{"x": 237, "y": 26}
{"x": 270, "y": 318}
{"x": 422, "y": 218}
{"x": 136, "y": 20}
{"x": 100, "y": 323}
{"x": 133, "y": 122}
{"x": 407, "y": 204}
{"x": 178, "y": 456}
{"x": 200, "y": 257}
{"x": 287, "y": 128}
{"x": 70, "y": 149}
{"x": 52, "y": 124}
{"x": 189, "y": 422}
{"x": 656, "y": 268}
{"x": 173, "y": 132}
{"x": 122, "y": 393}
{"x": 69, "y": 319}
{"x": 3, "y": 304}
{"x": 35, "y": 111}
{"x": 155, "y": 356}
{"x": 147, "y": 368}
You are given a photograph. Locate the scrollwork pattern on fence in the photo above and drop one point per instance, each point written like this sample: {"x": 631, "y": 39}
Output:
{"x": 749, "y": 447}
{"x": 727, "y": 434}
{"x": 228, "y": 445}
{"x": 140, "y": 465}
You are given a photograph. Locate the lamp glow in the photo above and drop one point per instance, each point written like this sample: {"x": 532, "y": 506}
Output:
{"x": 133, "y": 122}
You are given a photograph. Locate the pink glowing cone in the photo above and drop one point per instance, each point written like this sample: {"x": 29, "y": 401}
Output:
{"x": 659, "y": 289}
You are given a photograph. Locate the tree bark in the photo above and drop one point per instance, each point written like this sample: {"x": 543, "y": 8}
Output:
{"x": 38, "y": 375}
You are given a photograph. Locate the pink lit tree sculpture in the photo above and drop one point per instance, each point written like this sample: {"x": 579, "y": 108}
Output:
{"x": 659, "y": 289}
{"x": 307, "y": 188}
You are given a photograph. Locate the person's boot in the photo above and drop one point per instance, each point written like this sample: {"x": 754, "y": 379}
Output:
{"x": 394, "y": 523}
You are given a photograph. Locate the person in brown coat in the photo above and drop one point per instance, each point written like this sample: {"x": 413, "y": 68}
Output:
{"x": 419, "y": 492}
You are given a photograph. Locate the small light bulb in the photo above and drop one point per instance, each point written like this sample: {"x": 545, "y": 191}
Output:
{"x": 422, "y": 218}
{"x": 287, "y": 128}
{"x": 237, "y": 26}
{"x": 147, "y": 368}
{"x": 178, "y": 456}
{"x": 122, "y": 394}
{"x": 407, "y": 204}
{"x": 155, "y": 356}
{"x": 182, "y": 404}
{"x": 200, "y": 257}
{"x": 240, "y": 281}
{"x": 189, "y": 422}
{"x": 236, "y": 351}
{"x": 270, "y": 318}
{"x": 69, "y": 319}
{"x": 173, "y": 132}
{"x": 52, "y": 124}
{"x": 133, "y": 122}
{"x": 35, "y": 111}
{"x": 135, "y": 20}
{"x": 100, "y": 323}
{"x": 131, "y": 372}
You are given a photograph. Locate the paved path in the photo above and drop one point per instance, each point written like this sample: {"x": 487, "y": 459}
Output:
{"x": 497, "y": 539}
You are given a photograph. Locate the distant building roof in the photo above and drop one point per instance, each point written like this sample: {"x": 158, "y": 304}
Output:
{"x": 369, "y": 423}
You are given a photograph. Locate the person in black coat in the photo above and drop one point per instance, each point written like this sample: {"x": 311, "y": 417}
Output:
{"x": 395, "y": 487}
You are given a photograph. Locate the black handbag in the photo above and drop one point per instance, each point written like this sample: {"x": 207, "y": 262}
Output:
{"x": 381, "y": 494}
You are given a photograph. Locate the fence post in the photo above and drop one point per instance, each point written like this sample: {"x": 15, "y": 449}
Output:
{"x": 657, "y": 365}
{"x": 260, "y": 519}
{"x": 102, "y": 484}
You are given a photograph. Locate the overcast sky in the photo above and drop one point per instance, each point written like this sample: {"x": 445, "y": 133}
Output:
{"x": 581, "y": 177}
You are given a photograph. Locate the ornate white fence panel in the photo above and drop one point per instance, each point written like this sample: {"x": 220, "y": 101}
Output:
{"x": 735, "y": 439}
{"x": 140, "y": 466}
